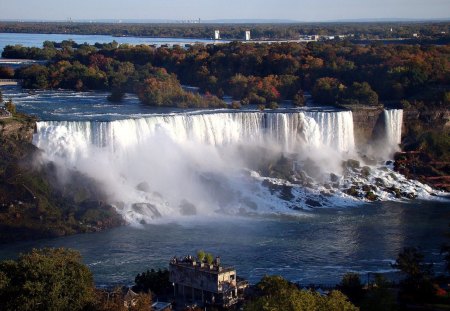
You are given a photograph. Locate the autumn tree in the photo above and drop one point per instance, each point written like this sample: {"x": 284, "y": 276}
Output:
{"x": 360, "y": 94}
{"x": 6, "y": 72}
{"x": 276, "y": 293}
{"x": 46, "y": 279}
{"x": 327, "y": 91}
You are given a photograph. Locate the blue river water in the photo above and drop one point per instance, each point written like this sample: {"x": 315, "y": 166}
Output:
{"x": 316, "y": 246}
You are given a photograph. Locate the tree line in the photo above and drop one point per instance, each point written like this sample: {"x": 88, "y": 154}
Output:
{"x": 335, "y": 73}
{"x": 360, "y": 30}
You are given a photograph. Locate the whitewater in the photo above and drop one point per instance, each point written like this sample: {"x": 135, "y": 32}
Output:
{"x": 160, "y": 167}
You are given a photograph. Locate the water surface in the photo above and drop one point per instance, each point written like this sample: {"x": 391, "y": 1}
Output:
{"x": 317, "y": 246}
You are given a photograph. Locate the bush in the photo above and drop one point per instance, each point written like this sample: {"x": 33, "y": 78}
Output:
{"x": 235, "y": 105}
{"x": 273, "y": 105}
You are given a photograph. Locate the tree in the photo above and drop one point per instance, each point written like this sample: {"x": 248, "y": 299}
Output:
{"x": 155, "y": 281}
{"x": 209, "y": 258}
{"x": 118, "y": 300}
{"x": 327, "y": 91}
{"x": 276, "y": 293}
{"x": 6, "y": 72}
{"x": 201, "y": 255}
{"x": 10, "y": 107}
{"x": 379, "y": 296}
{"x": 46, "y": 279}
{"x": 416, "y": 285}
{"x": 1, "y": 96}
{"x": 299, "y": 99}
{"x": 360, "y": 94}
{"x": 34, "y": 76}
{"x": 351, "y": 286}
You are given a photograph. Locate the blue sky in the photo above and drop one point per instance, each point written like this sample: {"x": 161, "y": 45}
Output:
{"x": 300, "y": 10}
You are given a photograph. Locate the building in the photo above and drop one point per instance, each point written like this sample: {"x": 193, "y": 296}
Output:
{"x": 216, "y": 35}
{"x": 203, "y": 284}
{"x": 247, "y": 35}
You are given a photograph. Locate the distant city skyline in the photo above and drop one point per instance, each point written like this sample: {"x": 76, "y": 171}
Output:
{"x": 173, "y": 10}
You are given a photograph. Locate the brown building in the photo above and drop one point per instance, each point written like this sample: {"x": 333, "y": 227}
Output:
{"x": 204, "y": 284}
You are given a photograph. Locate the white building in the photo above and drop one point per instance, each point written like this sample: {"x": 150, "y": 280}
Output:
{"x": 247, "y": 35}
{"x": 216, "y": 35}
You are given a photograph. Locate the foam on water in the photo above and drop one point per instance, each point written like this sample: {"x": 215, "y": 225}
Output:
{"x": 184, "y": 164}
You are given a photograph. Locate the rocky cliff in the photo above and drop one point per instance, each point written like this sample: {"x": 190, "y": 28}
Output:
{"x": 33, "y": 204}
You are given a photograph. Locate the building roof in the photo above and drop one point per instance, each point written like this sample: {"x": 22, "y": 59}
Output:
{"x": 190, "y": 263}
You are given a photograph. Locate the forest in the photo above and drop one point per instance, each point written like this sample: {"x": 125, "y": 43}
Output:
{"x": 435, "y": 31}
{"x": 334, "y": 72}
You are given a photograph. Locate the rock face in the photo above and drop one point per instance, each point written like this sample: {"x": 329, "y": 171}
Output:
{"x": 433, "y": 119}
{"x": 32, "y": 202}
{"x": 366, "y": 120}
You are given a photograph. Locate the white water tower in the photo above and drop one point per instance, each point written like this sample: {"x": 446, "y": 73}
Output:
{"x": 216, "y": 35}
{"x": 247, "y": 35}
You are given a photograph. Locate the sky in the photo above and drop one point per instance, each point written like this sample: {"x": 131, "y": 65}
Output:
{"x": 296, "y": 10}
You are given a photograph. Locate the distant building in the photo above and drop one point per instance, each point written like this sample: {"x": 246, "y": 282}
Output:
{"x": 247, "y": 35}
{"x": 216, "y": 35}
{"x": 415, "y": 35}
{"x": 203, "y": 284}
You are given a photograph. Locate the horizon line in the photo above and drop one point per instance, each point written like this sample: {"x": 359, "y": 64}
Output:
{"x": 225, "y": 21}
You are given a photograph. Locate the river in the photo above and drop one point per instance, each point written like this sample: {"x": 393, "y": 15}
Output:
{"x": 306, "y": 244}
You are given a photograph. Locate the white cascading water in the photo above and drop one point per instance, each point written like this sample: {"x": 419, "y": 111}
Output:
{"x": 70, "y": 138}
{"x": 150, "y": 167}
{"x": 394, "y": 121}
{"x": 169, "y": 152}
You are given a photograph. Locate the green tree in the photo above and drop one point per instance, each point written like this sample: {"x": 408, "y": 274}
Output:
{"x": 327, "y": 91}
{"x": 10, "y": 106}
{"x": 360, "y": 94}
{"x": 201, "y": 255}
{"x": 299, "y": 99}
{"x": 276, "y": 293}
{"x": 46, "y": 279}
{"x": 34, "y": 76}
{"x": 209, "y": 258}
{"x": 417, "y": 285}
{"x": 155, "y": 281}
{"x": 379, "y": 296}
{"x": 351, "y": 286}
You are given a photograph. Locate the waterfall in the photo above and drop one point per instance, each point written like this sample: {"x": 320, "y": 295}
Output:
{"x": 180, "y": 164}
{"x": 195, "y": 158}
{"x": 71, "y": 139}
{"x": 393, "y": 121}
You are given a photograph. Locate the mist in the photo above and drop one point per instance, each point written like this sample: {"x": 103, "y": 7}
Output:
{"x": 162, "y": 168}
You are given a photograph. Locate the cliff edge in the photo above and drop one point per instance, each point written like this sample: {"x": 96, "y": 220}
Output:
{"x": 33, "y": 204}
